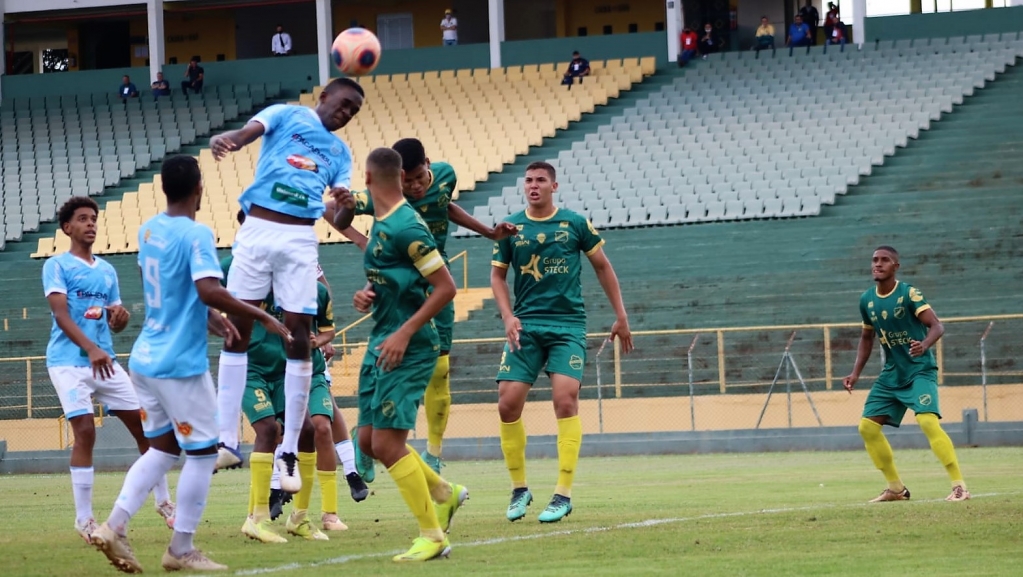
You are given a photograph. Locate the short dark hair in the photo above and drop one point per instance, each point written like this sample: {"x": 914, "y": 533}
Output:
{"x": 67, "y": 210}
{"x": 541, "y": 165}
{"x": 890, "y": 249}
{"x": 575, "y": 53}
{"x": 338, "y": 83}
{"x": 413, "y": 155}
{"x": 181, "y": 175}
{"x": 384, "y": 162}
{"x": 240, "y": 216}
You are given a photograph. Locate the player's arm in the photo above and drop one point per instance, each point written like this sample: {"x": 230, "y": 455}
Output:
{"x": 117, "y": 315}
{"x": 392, "y": 350}
{"x": 340, "y": 217}
{"x": 233, "y": 140}
{"x": 609, "y": 282}
{"x": 934, "y": 331}
{"x": 502, "y": 296}
{"x": 215, "y": 296}
{"x": 457, "y": 215}
{"x": 102, "y": 365}
{"x": 863, "y": 351}
{"x": 325, "y": 330}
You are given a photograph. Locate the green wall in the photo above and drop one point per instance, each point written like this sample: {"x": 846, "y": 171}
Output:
{"x": 520, "y": 52}
{"x": 991, "y": 21}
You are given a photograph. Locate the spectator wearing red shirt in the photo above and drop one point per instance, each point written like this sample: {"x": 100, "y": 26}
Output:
{"x": 837, "y": 35}
{"x": 829, "y": 20}
{"x": 688, "y": 43}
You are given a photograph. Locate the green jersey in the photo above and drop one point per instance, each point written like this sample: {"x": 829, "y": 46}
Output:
{"x": 546, "y": 258}
{"x": 894, "y": 318}
{"x": 400, "y": 254}
{"x": 433, "y": 207}
{"x": 266, "y": 352}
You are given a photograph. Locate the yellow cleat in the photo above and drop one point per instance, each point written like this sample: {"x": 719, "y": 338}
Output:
{"x": 446, "y": 510}
{"x": 261, "y": 531}
{"x": 298, "y": 525}
{"x": 424, "y": 549}
{"x": 331, "y": 522}
{"x": 116, "y": 548}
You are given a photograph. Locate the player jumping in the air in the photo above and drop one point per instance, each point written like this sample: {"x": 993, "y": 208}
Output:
{"x": 908, "y": 328}
{"x": 276, "y": 248}
{"x": 547, "y": 328}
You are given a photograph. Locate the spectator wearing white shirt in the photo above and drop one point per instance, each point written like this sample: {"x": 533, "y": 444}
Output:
{"x": 449, "y": 29}
{"x": 280, "y": 45}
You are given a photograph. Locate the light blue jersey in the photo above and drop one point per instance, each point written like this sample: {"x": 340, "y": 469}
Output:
{"x": 89, "y": 289}
{"x": 174, "y": 252}
{"x": 298, "y": 160}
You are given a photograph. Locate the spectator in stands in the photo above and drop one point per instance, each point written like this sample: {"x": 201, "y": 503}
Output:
{"x": 194, "y": 77}
{"x": 830, "y": 19}
{"x": 449, "y": 29}
{"x": 812, "y": 19}
{"x": 280, "y": 44}
{"x": 837, "y": 36}
{"x": 160, "y": 87}
{"x": 764, "y": 36}
{"x": 688, "y": 43}
{"x": 799, "y": 35}
{"x": 709, "y": 42}
{"x": 577, "y": 68}
{"x": 127, "y": 89}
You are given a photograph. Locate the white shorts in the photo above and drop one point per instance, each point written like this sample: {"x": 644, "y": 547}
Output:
{"x": 283, "y": 257}
{"x": 186, "y": 406}
{"x": 77, "y": 389}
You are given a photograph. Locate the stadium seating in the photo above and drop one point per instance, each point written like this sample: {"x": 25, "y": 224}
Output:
{"x": 459, "y": 115}
{"x": 751, "y": 138}
{"x": 55, "y": 147}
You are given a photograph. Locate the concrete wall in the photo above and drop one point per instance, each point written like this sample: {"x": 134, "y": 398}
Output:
{"x": 991, "y": 21}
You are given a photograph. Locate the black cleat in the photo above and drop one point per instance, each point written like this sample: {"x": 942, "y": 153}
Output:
{"x": 357, "y": 486}
{"x": 278, "y": 499}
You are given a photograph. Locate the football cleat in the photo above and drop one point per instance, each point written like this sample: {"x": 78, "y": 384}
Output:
{"x": 889, "y": 495}
{"x": 959, "y": 493}
{"x": 287, "y": 466}
{"x": 116, "y": 548}
{"x": 261, "y": 531}
{"x": 194, "y": 560}
{"x": 520, "y": 500}
{"x": 559, "y": 508}
{"x": 424, "y": 549}
{"x": 228, "y": 458}
{"x": 298, "y": 525}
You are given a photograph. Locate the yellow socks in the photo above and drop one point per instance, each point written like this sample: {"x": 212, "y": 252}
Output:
{"x": 570, "y": 438}
{"x": 437, "y": 404}
{"x": 513, "y": 445}
{"x": 440, "y": 489}
{"x": 307, "y": 472}
{"x": 261, "y": 468}
{"x": 941, "y": 445}
{"x": 408, "y": 476}
{"x": 328, "y": 490}
{"x": 880, "y": 452}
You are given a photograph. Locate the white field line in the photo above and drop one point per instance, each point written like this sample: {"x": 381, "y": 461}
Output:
{"x": 579, "y": 531}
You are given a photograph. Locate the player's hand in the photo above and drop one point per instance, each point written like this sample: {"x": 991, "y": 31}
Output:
{"x": 328, "y": 352}
{"x": 343, "y": 198}
{"x": 276, "y": 327}
{"x": 102, "y": 364}
{"x": 504, "y": 230}
{"x": 512, "y": 328}
{"x": 916, "y": 348}
{"x": 363, "y": 300}
{"x": 849, "y": 382}
{"x": 392, "y": 350}
{"x": 220, "y": 145}
{"x": 117, "y": 317}
{"x": 620, "y": 330}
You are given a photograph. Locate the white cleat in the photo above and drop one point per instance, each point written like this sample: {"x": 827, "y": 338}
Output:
{"x": 194, "y": 560}
{"x": 287, "y": 466}
{"x": 331, "y": 522}
{"x": 86, "y": 529}
{"x": 167, "y": 510}
{"x": 959, "y": 493}
{"x": 228, "y": 458}
{"x": 116, "y": 548}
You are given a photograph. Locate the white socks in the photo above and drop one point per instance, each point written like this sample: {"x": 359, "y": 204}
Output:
{"x": 230, "y": 389}
{"x": 81, "y": 486}
{"x": 161, "y": 492}
{"x": 346, "y": 455}
{"x": 141, "y": 478}
{"x": 297, "y": 378}
{"x": 193, "y": 488}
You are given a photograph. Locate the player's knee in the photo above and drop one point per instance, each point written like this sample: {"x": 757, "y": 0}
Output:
{"x": 266, "y": 435}
{"x": 84, "y": 430}
{"x": 869, "y": 429}
{"x": 928, "y": 423}
{"x": 509, "y": 410}
{"x": 322, "y": 428}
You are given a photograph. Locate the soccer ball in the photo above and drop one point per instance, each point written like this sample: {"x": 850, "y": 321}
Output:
{"x": 356, "y": 52}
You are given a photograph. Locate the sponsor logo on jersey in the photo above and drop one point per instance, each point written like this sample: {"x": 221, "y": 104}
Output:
{"x": 899, "y": 312}
{"x": 94, "y": 313}
{"x": 884, "y": 315}
{"x": 315, "y": 151}
{"x": 532, "y": 268}
{"x": 418, "y": 250}
{"x": 563, "y": 224}
{"x": 302, "y": 163}
{"x": 540, "y": 237}
{"x": 914, "y": 295}
{"x": 183, "y": 427}
{"x": 561, "y": 236}
{"x": 924, "y": 400}
{"x": 387, "y": 409}
{"x": 576, "y": 362}
{"x": 143, "y": 415}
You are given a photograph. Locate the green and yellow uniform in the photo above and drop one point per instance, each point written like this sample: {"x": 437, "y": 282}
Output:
{"x": 906, "y": 382}
{"x": 319, "y": 389}
{"x": 400, "y": 254}
{"x": 546, "y": 257}
{"x": 433, "y": 208}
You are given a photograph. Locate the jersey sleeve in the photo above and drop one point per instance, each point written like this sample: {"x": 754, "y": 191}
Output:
{"x": 53, "y": 278}
{"x": 363, "y": 202}
{"x": 202, "y": 262}
{"x": 343, "y": 174}
{"x": 114, "y": 298}
{"x": 589, "y": 238}
{"x": 502, "y": 253}
{"x": 864, "y": 315}
{"x": 270, "y": 117}
{"x": 917, "y": 302}
{"x": 417, "y": 242}
{"x": 324, "y": 309}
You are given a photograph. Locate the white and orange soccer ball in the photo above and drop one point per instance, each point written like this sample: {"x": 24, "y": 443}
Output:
{"x": 356, "y": 52}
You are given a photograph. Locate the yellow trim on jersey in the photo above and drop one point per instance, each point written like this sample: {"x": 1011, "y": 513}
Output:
{"x": 498, "y": 264}
{"x": 877, "y": 291}
{"x": 430, "y": 185}
{"x": 326, "y": 329}
{"x": 543, "y": 219}
{"x": 922, "y": 309}
{"x": 430, "y": 263}
{"x": 866, "y": 326}
{"x": 390, "y": 212}
{"x": 596, "y": 248}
